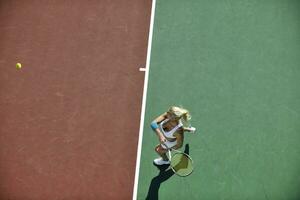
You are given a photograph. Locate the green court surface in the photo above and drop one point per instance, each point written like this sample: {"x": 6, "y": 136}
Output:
{"x": 236, "y": 66}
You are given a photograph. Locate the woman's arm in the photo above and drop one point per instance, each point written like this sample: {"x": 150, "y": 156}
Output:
{"x": 155, "y": 127}
{"x": 189, "y": 129}
{"x": 160, "y": 118}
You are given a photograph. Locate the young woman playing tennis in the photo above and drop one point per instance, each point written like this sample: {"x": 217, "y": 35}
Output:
{"x": 170, "y": 128}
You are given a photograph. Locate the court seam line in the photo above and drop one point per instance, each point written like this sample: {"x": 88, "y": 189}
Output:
{"x": 140, "y": 140}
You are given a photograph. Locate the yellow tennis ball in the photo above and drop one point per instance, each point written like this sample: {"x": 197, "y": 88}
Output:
{"x": 18, "y": 65}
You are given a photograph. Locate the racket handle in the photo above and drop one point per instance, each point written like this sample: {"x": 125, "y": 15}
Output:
{"x": 191, "y": 129}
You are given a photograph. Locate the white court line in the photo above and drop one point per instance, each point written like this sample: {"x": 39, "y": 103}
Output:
{"x": 138, "y": 159}
{"x": 142, "y": 69}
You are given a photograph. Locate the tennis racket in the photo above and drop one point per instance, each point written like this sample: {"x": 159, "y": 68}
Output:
{"x": 181, "y": 163}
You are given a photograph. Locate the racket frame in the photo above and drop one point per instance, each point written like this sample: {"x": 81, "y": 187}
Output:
{"x": 178, "y": 152}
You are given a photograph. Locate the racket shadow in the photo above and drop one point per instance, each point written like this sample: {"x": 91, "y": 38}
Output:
{"x": 164, "y": 174}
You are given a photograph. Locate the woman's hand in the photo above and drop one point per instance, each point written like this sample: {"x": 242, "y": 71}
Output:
{"x": 190, "y": 129}
{"x": 161, "y": 137}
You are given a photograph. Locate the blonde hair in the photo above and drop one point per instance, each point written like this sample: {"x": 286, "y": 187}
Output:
{"x": 182, "y": 113}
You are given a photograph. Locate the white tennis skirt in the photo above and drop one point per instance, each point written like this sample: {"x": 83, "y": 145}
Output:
{"x": 168, "y": 144}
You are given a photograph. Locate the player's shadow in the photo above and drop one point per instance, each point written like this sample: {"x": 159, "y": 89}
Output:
{"x": 164, "y": 174}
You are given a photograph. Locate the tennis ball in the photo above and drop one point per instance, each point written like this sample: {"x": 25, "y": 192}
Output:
{"x": 18, "y": 65}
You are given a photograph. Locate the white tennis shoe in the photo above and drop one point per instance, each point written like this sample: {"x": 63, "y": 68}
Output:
{"x": 160, "y": 161}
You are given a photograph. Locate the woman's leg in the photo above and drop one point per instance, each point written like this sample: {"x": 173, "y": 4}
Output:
{"x": 162, "y": 152}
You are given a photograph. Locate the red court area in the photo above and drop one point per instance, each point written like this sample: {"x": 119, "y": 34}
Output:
{"x": 70, "y": 117}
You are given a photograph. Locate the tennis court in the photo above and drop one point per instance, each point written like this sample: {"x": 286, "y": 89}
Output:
{"x": 235, "y": 66}
{"x": 75, "y": 120}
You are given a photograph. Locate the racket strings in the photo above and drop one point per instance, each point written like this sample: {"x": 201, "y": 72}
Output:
{"x": 181, "y": 164}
